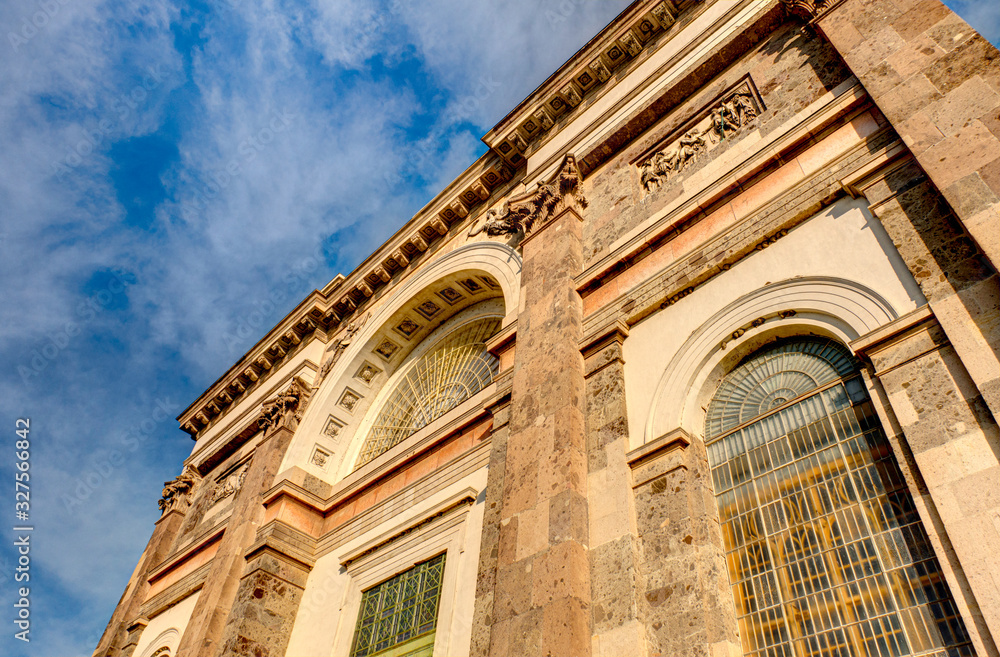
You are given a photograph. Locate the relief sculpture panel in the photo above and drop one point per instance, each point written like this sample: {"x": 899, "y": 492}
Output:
{"x": 738, "y": 108}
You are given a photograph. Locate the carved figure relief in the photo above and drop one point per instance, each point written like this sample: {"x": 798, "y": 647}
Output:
{"x": 807, "y": 8}
{"x": 177, "y": 492}
{"x": 339, "y": 346}
{"x": 230, "y": 485}
{"x": 287, "y": 407}
{"x": 722, "y": 121}
{"x": 520, "y": 214}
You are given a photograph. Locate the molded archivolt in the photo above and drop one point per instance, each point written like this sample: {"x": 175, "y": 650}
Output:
{"x": 831, "y": 307}
{"x": 490, "y": 263}
{"x": 164, "y": 645}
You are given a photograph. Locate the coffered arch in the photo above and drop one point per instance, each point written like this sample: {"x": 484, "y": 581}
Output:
{"x": 470, "y": 276}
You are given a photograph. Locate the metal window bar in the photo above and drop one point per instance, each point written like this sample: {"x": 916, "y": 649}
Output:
{"x": 456, "y": 369}
{"x": 399, "y": 609}
{"x": 825, "y": 552}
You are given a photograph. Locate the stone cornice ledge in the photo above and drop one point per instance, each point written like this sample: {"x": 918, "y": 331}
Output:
{"x": 459, "y": 501}
{"x": 647, "y": 463}
{"x": 884, "y": 336}
{"x": 285, "y": 542}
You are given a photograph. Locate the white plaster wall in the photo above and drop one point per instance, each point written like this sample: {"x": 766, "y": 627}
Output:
{"x": 167, "y": 628}
{"x": 842, "y": 242}
{"x": 328, "y": 612}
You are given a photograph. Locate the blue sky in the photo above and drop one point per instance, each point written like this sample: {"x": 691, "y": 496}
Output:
{"x": 169, "y": 169}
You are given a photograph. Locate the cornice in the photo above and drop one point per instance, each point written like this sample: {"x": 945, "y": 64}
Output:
{"x": 322, "y": 313}
{"x": 641, "y": 27}
{"x": 589, "y": 73}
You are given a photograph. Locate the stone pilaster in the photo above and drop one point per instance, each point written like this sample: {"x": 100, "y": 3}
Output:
{"x": 961, "y": 287}
{"x": 955, "y": 446}
{"x": 615, "y": 562}
{"x": 688, "y": 603}
{"x": 542, "y": 604}
{"x": 204, "y": 633}
{"x": 274, "y": 579}
{"x": 938, "y": 83}
{"x": 117, "y": 634}
{"x": 489, "y": 550}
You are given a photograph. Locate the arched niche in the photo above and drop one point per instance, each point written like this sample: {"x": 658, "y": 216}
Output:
{"x": 835, "y": 308}
{"x": 483, "y": 276}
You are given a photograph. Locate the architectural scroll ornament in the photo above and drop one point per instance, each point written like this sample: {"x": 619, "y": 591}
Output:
{"x": 286, "y": 408}
{"x": 521, "y": 214}
{"x": 177, "y": 492}
{"x": 724, "y": 120}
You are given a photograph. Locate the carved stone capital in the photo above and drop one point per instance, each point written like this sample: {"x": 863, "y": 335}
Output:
{"x": 177, "y": 492}
{"x": 522, "y": 214}
{"x": 286, "y": 408}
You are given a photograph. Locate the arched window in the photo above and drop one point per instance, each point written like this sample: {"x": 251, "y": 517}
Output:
{"x": 825, "y": 551}
{"x": 449, "y": 373}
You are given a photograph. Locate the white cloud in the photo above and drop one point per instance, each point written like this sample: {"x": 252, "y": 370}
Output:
{"x": 342, "y": 173}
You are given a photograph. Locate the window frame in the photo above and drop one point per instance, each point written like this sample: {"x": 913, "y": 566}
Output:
{"x": 440, "y": 529}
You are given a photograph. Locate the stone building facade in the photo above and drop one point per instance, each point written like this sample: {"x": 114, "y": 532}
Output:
{"x": 700, "y": 358}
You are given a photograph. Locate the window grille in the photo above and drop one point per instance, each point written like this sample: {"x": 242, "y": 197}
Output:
{"x": 825, "y": 551}
{"x": 453, "y": 371}
{"x": 398, "y": 616}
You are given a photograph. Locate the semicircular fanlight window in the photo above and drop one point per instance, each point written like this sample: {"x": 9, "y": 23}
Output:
{"x": 773, "y": 377}
{"x": 454, "y": 370}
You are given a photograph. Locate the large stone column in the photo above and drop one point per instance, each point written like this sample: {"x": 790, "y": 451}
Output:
{"x": 938, "y": 83}
{"x": 961, "y": 287}
{"x": 203, "y": 636}
{"x": 542, "y": 598}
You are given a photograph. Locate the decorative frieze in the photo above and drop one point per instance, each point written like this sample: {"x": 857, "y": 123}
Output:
{"x": 729, "y": 116}
{"x": 230, "y": 484}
